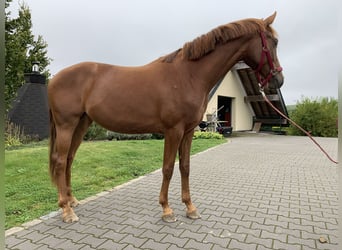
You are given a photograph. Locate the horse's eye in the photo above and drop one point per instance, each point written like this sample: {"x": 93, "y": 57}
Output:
{"x": 276, "y": 42}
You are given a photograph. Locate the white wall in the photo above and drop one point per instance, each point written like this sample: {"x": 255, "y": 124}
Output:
{"x": 242, "y": 113}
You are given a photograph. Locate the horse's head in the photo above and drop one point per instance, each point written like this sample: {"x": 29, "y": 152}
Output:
{"x": 262, "y": 56}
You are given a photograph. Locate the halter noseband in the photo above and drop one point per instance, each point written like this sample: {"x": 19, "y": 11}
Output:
{"x": 266, "y": 53}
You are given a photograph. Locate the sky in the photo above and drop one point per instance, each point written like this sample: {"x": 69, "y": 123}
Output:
{"x": 135, "y": 32}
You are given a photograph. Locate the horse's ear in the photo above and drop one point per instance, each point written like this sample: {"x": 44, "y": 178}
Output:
{"x": 269, "y": 20}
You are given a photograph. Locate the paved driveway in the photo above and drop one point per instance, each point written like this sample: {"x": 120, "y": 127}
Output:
{"x": 254, "y": 192}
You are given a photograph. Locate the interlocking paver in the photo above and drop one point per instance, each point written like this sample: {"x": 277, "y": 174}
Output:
{"x": 110, "y": 244}
{"x": 234, "y": 244}
{"x": 52, "y": 241}
{"x": 12, "y": 241}
{"x": 259, "y": 241}
{"x": 27, "y": 245}
{"x": 193, "y": 235}
{"x": 249, "y": 231}
{"x": 135, "y": 241}
{"x": 193, "y": 244}
{"x": 221, "y": 241}
{"x": 255, "y": 192}
{"x": 179, "y": 241}
{"x": 151, "y": 244}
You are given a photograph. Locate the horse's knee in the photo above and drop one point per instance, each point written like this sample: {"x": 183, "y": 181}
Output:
{"x": 167, "y": 173}
{"x": 184, "y": 169}
{"x": 60, "y": 166}
{"x": 54, "y": 158}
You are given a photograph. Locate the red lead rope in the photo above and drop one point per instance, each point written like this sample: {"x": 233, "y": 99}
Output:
{"x": 295, "y": 124}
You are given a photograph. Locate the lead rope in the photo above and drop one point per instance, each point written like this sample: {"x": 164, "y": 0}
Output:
{"x": 295, "y": 124}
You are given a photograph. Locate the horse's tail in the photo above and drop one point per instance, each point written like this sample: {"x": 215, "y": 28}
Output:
{"x": 52, "y": 148}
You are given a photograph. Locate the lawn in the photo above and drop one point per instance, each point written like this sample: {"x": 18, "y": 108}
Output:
{"x": 98, "y": 166}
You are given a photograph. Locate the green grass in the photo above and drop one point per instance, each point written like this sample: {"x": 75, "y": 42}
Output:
{"x": 98, "y": 166}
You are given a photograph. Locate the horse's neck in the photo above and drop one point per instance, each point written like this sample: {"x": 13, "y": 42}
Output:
{"x": 214, "y": 66}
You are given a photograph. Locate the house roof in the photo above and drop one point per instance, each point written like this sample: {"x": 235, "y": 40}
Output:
{"x": 262, "y": 110}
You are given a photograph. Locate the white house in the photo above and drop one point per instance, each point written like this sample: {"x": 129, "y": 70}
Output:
{"x": 236, "y": 102}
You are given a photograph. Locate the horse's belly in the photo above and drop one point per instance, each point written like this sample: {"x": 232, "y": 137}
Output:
{"x": 126, "y": 120}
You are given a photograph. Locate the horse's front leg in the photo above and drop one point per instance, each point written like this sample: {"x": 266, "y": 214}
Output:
{"x": 171, "y": 144}
{"x": 184, "y": 167}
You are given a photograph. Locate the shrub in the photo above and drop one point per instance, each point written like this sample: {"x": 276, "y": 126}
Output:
{"x": 14, "y": 135}
{"x": 120, "y": 136}
{"x": 157, "y": 136}
{"x": 318, "y": 116}
{"x": 95, "y": 132}
{"x": 207, "y": 135}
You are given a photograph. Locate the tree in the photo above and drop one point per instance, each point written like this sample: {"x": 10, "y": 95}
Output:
{"x": 21, "y": 50}
{"x": 318, "y": 116}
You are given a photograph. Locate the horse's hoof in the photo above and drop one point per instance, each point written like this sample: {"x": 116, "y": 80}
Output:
{"x": 74, "y": 202}
{"x": 169, "y": 218}
{"x": 70, "y": 218}
{"x": 194, "y": 215}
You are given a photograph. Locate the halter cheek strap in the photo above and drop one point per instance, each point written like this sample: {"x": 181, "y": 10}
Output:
{"x": 265, "y": 53}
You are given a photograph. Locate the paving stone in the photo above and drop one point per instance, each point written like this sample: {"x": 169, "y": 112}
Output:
{"x": 283, "y": 224}
{"x": 69, "y": 245}
{"x": 259, "y": 241}
{"x": 12, "y": 241}
{"x": 217, "y": 240}
{"x": 35, "y": 236}
{"x": 178, "y": 241}
{"x": 132, "y": 240}
{"x": 301, "y": 241}
{"x": 112, "y": 235}
{"x": 73, "y": 235}
{"x": 234, "y": 244}
{"x": 193, "y": 235}
{"x": 92, "y": 241}
{"x": 151, "y": 244}
{"x": 173, "y": 231}
{"x": 249, "y": 231}
{"x": 133, "y": 230}
{"x": 27, "y": 244}
{"x": 307, "y": 228}
{"x": 110, "y": 244}
{"x": 51, "y": 241}
{"x": 153, "y": 235}
{"x": 276, "y": 236}
{"x": 46, "y": 247}
{"x": 269, "y": 228}
{"x": 193, "y": 244}
{"x": 282, "y": 245}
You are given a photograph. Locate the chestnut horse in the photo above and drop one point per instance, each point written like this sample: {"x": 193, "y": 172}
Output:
{"x": 167, "y": 96}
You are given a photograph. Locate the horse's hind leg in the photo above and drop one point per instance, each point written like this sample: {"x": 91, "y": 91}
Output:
{"x": 63, "y": 142}
{"x": 77, "y": 138}
{"x": 184, "y": 167}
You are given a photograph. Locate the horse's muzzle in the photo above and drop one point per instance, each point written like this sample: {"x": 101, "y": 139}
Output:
{"x": 276, "y": 81}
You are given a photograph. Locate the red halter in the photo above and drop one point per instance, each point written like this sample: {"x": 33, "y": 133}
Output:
{"x": 266, "y": 53}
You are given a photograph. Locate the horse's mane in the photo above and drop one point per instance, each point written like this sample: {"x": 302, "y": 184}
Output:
{"x": 206, "y": 43}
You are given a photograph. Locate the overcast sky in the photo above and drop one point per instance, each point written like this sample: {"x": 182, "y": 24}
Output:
{"x": 135, "y": 32}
